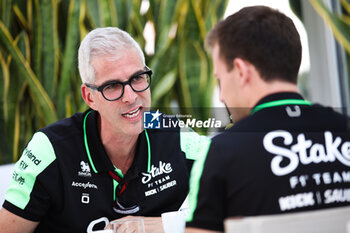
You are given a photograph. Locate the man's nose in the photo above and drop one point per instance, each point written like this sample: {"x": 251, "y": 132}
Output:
{"x": 129, "y": 94}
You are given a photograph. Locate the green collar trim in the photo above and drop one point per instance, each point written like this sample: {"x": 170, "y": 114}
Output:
{"x": 149, "y": 152}
{"x": 88, "y": 150}
{"x": 86, "y": 143}
{"x": 280, "y": 103}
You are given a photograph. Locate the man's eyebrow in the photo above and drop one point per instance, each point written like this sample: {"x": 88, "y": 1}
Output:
{"x": 112, "y": 80}
{"x": 137, "y": 72}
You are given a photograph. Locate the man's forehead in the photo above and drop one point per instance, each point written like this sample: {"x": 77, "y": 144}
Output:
{"x": 119, "y": 70}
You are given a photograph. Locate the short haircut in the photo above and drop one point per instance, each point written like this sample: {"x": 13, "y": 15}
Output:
{"x": 108, "y": 41}
{"x": 264, "y": 37}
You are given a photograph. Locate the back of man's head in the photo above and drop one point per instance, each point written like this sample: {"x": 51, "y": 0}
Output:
{"x": 108, "y": 42}
{"x": 263, "y": 36}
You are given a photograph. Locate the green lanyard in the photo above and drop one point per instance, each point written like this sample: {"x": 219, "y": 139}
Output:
{"x": 280, "y": 103}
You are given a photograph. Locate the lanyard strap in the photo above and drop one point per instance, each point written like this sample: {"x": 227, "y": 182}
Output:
{"x": 117, "y": 178}
{"x": 280, "y": 103}
{"x": 118, "y": 190}
{"x": 88, "y": 150}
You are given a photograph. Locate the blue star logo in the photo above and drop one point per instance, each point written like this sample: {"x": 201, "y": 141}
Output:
{"x": 152, "y": 119}
{"x": 156, "y": 115}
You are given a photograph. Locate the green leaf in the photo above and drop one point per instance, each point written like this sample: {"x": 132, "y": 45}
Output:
{"x": 166, "y": 20}
{"x": 50, "y": 52}
{"x": 93, "y": 11}
{"x": 196, "y": 8}
{"x": 215, "y": 10}
{"x": 164, "y": 86}
{"x": 5, "y": 85}
{"x": 296, "y": 7}
{"x": 105, "y": 13}
{"x": 161, "y": 63}
{"x": 39, "y": 67}
{"x": 17, "y": 128}
{"x": 5, "y": 151}
{"x": 37, "y": 41}
{"x": 346, "y": 5}
{"x": 6, "y": 12}
{"x": 45, "y": 105}
{"x": 82, "y": 28}
{"x": 21, "y": 18}
{"x": 340, "y": 28}
{"x": 185, "y": 101}
{"x": 69, "y": 58}
{"x": 121, "y": 13}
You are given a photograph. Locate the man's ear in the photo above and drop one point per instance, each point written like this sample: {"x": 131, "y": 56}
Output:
{"x": 87, "y": 96}
{"x": 243, "y": 69}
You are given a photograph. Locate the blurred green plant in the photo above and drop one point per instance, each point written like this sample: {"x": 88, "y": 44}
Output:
{"x": 39, "y": 39}
{"x": 339, "y": 23}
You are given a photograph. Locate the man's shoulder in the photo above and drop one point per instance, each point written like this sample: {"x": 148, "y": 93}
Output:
{"x": 65, "y": 127}
{"x": 233, "y": 141}
{"x": 314, "y": 119}
{"x": 301, "y": 118}
{"x": 330, "y": 113}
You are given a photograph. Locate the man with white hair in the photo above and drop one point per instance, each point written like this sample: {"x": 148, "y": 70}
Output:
{"x": 82, "y": 172}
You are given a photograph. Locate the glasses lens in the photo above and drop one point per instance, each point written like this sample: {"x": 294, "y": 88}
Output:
{"x": 113, "y": 91}
{"x": 140, "y": 82}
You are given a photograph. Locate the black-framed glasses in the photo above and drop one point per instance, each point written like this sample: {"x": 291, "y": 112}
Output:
{"x": 114, "y": 90}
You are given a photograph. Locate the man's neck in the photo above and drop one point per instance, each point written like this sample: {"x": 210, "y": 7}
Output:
{"x": 259, "y": 91}
{"x": 268, "y": 88}
{"x": 120, "y": 149}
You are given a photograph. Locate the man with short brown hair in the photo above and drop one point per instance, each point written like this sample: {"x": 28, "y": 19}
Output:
{"x": 283, "y": 154}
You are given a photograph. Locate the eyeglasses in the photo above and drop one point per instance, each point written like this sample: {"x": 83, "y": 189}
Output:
{"x": 114, "y": 90}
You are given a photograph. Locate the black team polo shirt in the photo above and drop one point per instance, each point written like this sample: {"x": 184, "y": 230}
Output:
{"x": 287, "y": 156}
{"x": 66, "y": 181}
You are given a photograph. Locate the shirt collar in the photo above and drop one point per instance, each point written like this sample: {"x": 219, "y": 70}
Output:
{"x": 96, "y": 153}
{"x": 280, "y": 99}
{"x": 279, "y": 96}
